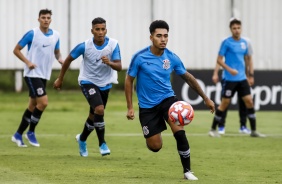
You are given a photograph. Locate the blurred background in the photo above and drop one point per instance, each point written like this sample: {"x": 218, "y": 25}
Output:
{"x": 197, "y": 28}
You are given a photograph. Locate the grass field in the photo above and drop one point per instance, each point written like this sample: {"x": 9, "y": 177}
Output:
{"x": 233, "y": 158}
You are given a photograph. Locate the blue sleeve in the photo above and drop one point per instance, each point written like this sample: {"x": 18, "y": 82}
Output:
{"x": 223, "y": 48}
{"x": 57, "y": 46}
{"x": 116, "y": 54}
{"x": 26, "y": 39}
{"x": 133, "y": 67}
{"x": 78, "y": 50}
{"x": 178, "y": 67}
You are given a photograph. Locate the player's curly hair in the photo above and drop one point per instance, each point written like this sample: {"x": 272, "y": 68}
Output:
{"x": 158, "y": 24}
{"x": 44, "y": 12}
{"x": 98, "y": 20}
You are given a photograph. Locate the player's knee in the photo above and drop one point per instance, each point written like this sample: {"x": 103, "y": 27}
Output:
{"x": 154, "y": 147}
{"x": 99, "y": 109}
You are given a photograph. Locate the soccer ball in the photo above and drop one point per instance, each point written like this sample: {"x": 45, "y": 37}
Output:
{"x": 181, "y": 113}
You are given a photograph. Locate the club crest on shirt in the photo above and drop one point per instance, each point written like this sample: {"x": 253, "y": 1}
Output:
{"x": 91, "y": 91}
{"x": 243, "y": 45}
{"x": 166, "y": 64}
{"x": 39, "y": 91}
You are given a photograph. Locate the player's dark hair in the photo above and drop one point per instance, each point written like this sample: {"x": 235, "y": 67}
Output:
{"x": 44, "y": 12}
{"x": 234, "y": 21}
{"x": 158, "y": 24}
{"x": 98, "y": 20}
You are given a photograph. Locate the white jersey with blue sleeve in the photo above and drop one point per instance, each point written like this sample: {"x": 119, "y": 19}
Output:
{"x": 153, "y": 75}
{"x": 40, "y": 51}
{"x": 234, "y": 52}
{"x": 92, "y": 69}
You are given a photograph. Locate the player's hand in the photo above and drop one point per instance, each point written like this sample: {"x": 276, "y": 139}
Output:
{"x": 215, "y": 78}
{"x": 31, "y": 66}
{"x": 210, "y": 104}
{"x": 130, "y": 114}
{"x": 61, "y": 61}
{"x": 105, "y": 60}
{"x": 233, "y": 72}
{"x": 57, "y": 84}
{"x": 251, "y": 81}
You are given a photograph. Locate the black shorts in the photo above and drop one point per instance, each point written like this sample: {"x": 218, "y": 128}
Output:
{"x": 36, "y": 86}
{"x": 153, "y": 120}
{"x": 94, "y": 96}
{"x": 230, "y": 87}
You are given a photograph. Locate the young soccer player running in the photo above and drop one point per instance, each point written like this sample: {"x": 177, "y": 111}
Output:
{"x": 235, "y": 49}
{"x": 98, "y": 70}
{"x": 152, "y": 67}
{"x": 43, "y": 47}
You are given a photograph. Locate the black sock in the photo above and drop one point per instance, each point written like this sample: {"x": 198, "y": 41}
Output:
{"x": 25, "y": 121}
{"x": 252, "y": 118}
{"x": 223, "y": 117}
{"x": 88, "y": 128}
{"x": 183, "y": 150}
{"x": 35, "y": 117}
{"x": 217, "y": 118}
{"x": 100, "y": 128}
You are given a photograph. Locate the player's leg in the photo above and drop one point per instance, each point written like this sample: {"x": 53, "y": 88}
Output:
{"x": 221, "y": 125}
{"x": 182, "y": 143}
{"x": 228, "y": 90}
{"x": 243, "y": 117}
{"x": 245, "y": 92}
{"x": 99, "y": 123}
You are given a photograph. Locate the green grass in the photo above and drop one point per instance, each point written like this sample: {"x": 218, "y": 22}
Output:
{"x": 233, "y": 158}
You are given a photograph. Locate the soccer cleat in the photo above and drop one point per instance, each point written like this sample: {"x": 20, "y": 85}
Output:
{"x": 82, "y": 146}
{"x": 221, "y": 130}
{"x": 190, "y": 176}
{"x": 32, "y": 139}
{"x": 213, "y": 133}
{"x": 17, "y": 138}
{"x": 256, "y": 134}
{"x": 244, "y": 130}
{"x": 104, "y": 150}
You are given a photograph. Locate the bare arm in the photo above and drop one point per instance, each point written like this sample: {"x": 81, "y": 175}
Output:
{"x": 116, "y": 64}
{"x": 192, "y": 82}
{"x": 225, "y": 66}
{"x": 249, "y": 69}
{"x": 215, "y": 77}
{"x": 58, "y": 56}
{"x": 128, "y": 89}
{"x": 59, "y": 81}
{"x": 18, "y": 53}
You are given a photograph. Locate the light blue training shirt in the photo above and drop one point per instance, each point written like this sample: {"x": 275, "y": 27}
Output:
{"x": 153, "y": 75}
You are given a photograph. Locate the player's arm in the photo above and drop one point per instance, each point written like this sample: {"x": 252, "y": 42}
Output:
{"x": 249, "y": 69}
{"x": 215, "y": 77}
{"x": 128, "y": 89}
{"x": 115, "y": 64}
{"x": 225, "y": 66}
{"x": 75, "y": 53}
{"x": 57, "y": 53}
{"x": 192, "y": 82}
{"x": 26, "y": 39}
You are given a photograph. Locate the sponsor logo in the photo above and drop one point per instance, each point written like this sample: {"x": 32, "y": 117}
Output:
{"x": 166, "y": 64}
{"x": 40, "y": 91}
{"x": 46, "y": 45}
{"x": 92, "y": 91}
{"x": 145, "y": 130}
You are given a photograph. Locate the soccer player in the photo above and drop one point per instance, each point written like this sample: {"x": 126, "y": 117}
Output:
{"x": 43, "y": 47}
{"x": 242, "y": 108}
{"x": 152, "y": 67}
{"x": 235, "y": 49}
{"x": 98, "y": 70}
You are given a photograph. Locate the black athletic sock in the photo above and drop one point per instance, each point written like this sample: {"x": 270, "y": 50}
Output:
{"x": 223, "y": 117}
{"x": 217, "y": 118}
{"x": 252, "y": 118}
{"x": 183, "y": 150}
{"x": 35, "y": 117}
{"x": 88, "y": 128}
{"x": 25, "y": 121}
{"x": 100, "y": 128}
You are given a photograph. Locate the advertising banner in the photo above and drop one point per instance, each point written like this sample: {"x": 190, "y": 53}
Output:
{"x": 267, "y": 91}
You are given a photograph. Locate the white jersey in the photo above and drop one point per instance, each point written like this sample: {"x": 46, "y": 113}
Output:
{"x": 41, "y": 53}
{"x": 92, "y": 69}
